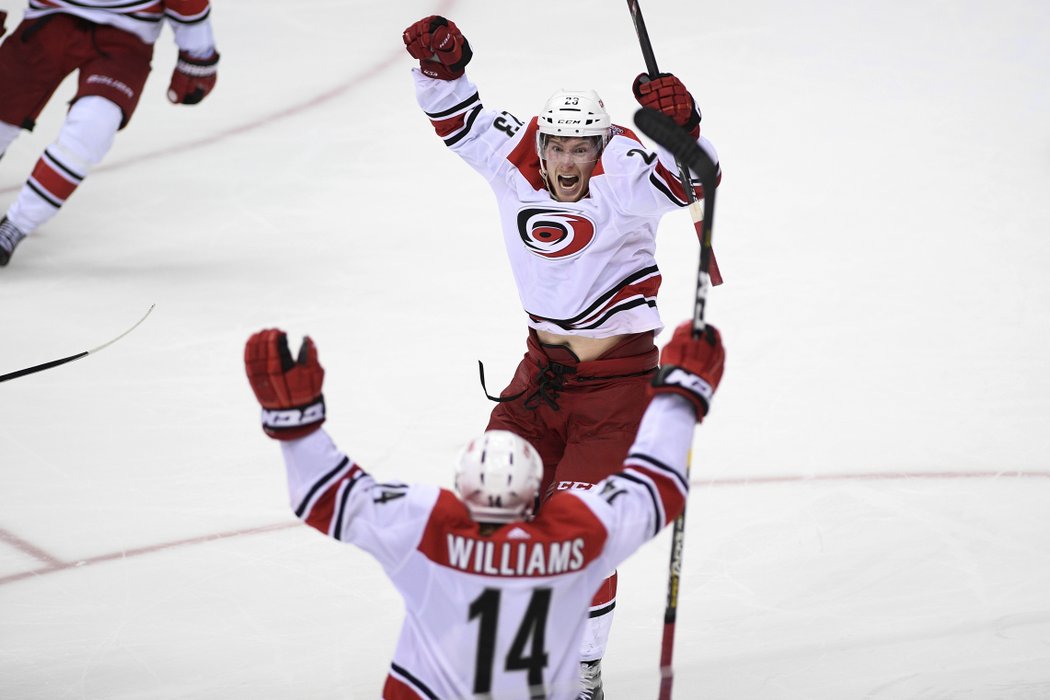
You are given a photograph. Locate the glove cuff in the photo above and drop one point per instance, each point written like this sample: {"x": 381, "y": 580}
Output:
{"x": 295, "y": 422}
{"x": 677, "y": 380}
{"x": 693, "y": 125}
{"x": 198, "y": 67}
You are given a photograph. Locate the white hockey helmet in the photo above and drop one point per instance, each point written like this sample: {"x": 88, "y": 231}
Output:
{"x": 575, "y": 113}
{"x": 498, "y": 477}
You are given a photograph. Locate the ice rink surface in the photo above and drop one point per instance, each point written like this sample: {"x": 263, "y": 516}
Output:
{"x": 870, "y": 511}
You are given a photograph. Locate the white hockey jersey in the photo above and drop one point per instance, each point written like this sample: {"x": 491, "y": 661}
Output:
{"x": 582, "y": 268}
{"x": 500, "y": 616}
{"x": 144, "y": 18}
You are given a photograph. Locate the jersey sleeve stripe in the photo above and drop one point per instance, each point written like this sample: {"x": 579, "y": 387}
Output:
{"x": 669, "y": 493}
{"x": 658, "y": 520}
{"x": 402, "y": 674}
{"x": 320, "y": 484}
{"x": 637, "y": 457}
{"x": 668, "y": 191}
{"x": 457, "y": 109}
{"x": 345, "y": 487}
{"x": 322, "y": 514}
{"x": 453, "y": 140}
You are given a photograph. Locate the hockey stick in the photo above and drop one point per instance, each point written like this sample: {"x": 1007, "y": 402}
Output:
{"x": 651, "y": 68}
{"x": 662, "y": 129}
{"x": 55, "y": 363}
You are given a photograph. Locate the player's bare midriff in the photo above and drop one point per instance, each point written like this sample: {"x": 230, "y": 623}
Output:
{"x": 584, "y": 348}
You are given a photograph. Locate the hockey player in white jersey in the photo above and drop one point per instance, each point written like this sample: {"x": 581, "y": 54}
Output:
{"x": 496, "y": 598}
{"x": 110, "y": 44}
{"x": 580, "y": 199}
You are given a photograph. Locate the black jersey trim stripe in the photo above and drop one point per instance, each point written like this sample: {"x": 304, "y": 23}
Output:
{"x": 453, "y": 140}
{"x": 452, "y": 110}
{"x": 596, "y": 306}
{"x": 662, "y": 187}
{"x": 337, "y": 531}
{"x": 117, "y": 6}
{"x": 657, "y": 464}
{"x": 625, "y": 306}
{"x": 416, "y": 683}
{"x": 602, "y": 611}
{"x": 657, "y": 509}
{"x": 188, "y": 21}
{"x": 318, "y": 485}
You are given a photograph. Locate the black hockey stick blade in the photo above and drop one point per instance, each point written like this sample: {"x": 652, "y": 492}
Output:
{"x": 65, "y": 360}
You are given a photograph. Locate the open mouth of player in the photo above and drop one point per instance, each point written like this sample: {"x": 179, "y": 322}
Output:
{"x": 568, "y": 181}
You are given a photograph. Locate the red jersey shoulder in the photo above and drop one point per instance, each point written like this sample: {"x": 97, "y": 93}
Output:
{"x": 525, "y": 158}
{"x": 564, "y": 538}
{"x": 618, "y": 130}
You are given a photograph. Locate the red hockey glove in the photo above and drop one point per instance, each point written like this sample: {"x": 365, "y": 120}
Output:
{"x": 289, "y": 390}
{"x": 666, "y": 93}
{"x": 442, "y": 50}
{"x": 193, "y": 78}
{"x": 691, "y": 367}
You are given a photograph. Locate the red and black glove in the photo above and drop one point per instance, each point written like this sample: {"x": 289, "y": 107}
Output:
{"x": 193, "y": 78}
{"x": 666, "y": 93}
{"x": 442, "y": 50}
{"x": 691, "y": 367}
{"x": 289, "y": 390}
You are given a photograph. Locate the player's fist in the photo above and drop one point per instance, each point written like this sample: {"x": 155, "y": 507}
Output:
{"x": 193, "y": 78}
{"x": 289, "y": 390}
{"x": 442, "y": 50}
{"x": 692, "y": 367}
{"x": 666, "y": 93}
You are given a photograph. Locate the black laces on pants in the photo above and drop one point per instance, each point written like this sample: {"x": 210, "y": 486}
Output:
{"x": 550, "y": 382}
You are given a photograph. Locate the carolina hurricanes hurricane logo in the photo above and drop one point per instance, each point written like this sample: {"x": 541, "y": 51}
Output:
{"x": 553, "y": 233}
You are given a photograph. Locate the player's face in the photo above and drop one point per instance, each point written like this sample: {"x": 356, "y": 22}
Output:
{"x": 569, "y": 164}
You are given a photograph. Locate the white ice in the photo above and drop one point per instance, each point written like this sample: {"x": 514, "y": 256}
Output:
{"x": 870, "y": 511}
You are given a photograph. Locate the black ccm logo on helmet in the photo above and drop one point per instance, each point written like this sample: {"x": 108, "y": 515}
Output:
{"x": 554, "y": 233}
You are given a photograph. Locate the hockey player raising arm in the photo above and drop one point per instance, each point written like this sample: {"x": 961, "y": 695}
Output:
{"x": 579, "y": 199}
{"x": 111, "y": 45}
{"x": 496, "y": 597}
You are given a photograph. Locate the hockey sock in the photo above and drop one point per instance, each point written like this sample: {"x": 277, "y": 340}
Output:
{"x": 599, "y": 622}
{"x": 8, "y": 133}
{"x": 85, "y": 138}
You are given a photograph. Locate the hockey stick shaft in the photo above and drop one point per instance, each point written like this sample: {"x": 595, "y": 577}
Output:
{"x": 65, "y": 360}
{"x": 662, "y": 129}
{"x": 696, "y": 210}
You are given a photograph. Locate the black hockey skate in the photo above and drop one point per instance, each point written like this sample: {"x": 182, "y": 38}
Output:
{"x": 10, "y": 235}
{"x": 591, "y": 677}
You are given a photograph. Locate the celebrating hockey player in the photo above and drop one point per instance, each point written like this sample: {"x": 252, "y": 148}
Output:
{"x": 111, "y": 45}
{"x": 496, "y": 597}
{"x": 580, "y": 200}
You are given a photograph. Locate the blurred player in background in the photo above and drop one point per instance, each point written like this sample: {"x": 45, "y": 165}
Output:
{"x": 110, "y": 43}
{"x": 580, "y": 199}
{"x": 496, "y": 597}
